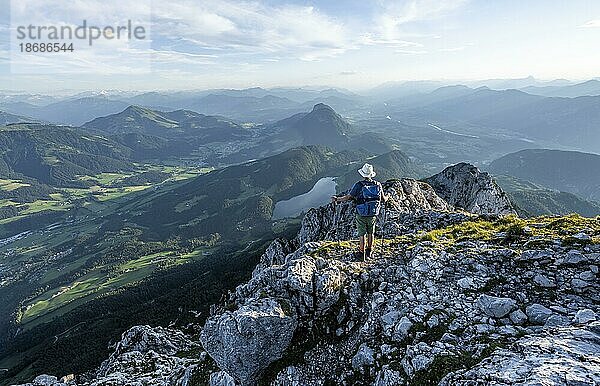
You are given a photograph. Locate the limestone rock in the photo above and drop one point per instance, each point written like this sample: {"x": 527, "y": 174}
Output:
{"x": 364, "y": 357}
{"x": 537, "y": 314}
{"x": 494, "y": 306}
{"x": 466, "y": 187}
{"x": 246, "y": 341}
{"x": 584, "y": 316}
{"x": 221, "y": 378}
{"x": 388, "y": 377}
{"x": 518, "y": 317}
{"x": 568, "y": 356}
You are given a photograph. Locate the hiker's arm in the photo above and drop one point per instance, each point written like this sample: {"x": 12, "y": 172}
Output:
{"x": 384, "y": 197}
{"x": 345, "y": 197}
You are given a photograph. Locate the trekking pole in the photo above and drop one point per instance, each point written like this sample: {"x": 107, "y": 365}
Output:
{"x": 385, "y": 213}
{"x": 334, "y": 226}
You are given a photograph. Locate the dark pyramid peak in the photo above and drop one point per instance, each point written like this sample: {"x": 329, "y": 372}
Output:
{"x": 323, "y": 107}
{"x": 323, "y": 126}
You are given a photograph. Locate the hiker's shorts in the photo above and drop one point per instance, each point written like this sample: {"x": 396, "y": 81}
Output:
{"x": 365, "y": 225}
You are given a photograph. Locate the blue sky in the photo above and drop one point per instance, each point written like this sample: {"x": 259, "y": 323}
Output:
{"x": 351, "y": 44}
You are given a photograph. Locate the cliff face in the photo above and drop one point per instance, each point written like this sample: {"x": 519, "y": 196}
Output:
{"x": 429, "y": 309}
{"x": 450, "y": 298}
{"x": 466, "y": 187}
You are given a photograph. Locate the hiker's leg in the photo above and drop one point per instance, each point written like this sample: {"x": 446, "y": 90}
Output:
{"x": 361, "y": 228}
{"x": 371, "y": 232}
{"x": 370, "y": 235}
{"x": 370, "y": 239}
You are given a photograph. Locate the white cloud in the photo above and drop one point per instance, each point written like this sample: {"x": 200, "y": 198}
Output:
{"x": 395, "y": 15}
{"x": 453, "y": 49}
{"x": 411, "y": 52}
{"x": 370, "y": 39}
{"x": 591, "y": 24}
{"x": 251, "y": 27}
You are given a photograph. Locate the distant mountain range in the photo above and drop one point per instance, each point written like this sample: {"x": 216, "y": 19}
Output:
{"x": 515, "y": 109}
{"x": 7, "y": 118}
{"x": 588, "y": 88}
{"x": 534, "y": 200}
{"x": 549, "y": 120}
{"x": 565, "y": 171}
{"x": 70, "y": 111}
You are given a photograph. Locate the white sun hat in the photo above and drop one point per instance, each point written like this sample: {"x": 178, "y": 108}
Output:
{"x": 367, "y": 171}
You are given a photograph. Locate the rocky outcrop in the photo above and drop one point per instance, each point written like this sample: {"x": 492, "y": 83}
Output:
{"x": 560, "y": 356}
{"x": 413, "y": 206}
{"x": 465, "y": 186}
{"x": 145, "y": 356}
{"x": 435, "y": 310}
{"x": 451, "y": 298}
{"x": 259, "y": 332}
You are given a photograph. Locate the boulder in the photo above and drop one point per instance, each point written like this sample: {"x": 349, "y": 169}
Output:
{"x": 584, "y": 316}
{"x": 538, "y": 314}
{"x": 402, "y": 329}
{"x": 494, "y": 306}
{"x": 543, "y": 281}
{"x": 518, "y": 317}
{"x": 246, "y": 341}
{"x": 364, "y": 357}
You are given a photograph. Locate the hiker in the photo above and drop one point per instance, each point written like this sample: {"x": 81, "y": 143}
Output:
{"x": 368, "y": 195}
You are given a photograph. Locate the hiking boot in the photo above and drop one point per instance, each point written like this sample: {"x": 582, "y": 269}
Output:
{"x": 359, "y": 255}
{"x": 368, "y": 253}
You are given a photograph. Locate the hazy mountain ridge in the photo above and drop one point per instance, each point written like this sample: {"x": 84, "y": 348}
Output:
{"x": 172, "y": 124}
{"x": 8, "y": 119}
{"x": 587, "y": 88}
{"x": 490, "y": 107}
{"x": 69, "y": 111}
{"x": 567, "y": 171}
{"x": 530, "y": 199}
{"x": 512, "y": 112}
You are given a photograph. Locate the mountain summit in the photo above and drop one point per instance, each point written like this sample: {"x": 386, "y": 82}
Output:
{"x": 178, "y": 123}
{"x": 321, "y": 126}
{"x": 451, "y": 298}
{"x": 465, "y": 186}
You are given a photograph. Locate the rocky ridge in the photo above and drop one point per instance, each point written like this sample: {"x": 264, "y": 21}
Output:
{"x": 465, "y": 186}
{"x": 452, "y": 297}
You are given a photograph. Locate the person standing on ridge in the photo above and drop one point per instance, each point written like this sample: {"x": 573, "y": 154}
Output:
{"x": 368, "y": 195}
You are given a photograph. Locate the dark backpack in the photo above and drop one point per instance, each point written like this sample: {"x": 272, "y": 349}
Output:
{"x": 369, "y": 199}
